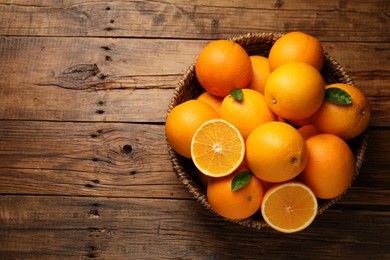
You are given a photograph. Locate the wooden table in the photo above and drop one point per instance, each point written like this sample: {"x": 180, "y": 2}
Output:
{"x": 84, "y": 168}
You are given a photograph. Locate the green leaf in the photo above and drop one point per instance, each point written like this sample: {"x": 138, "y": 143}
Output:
{"x": 237, "y": 94}
{"x": 337, "y": 96}
{"x": 241, "y": 179}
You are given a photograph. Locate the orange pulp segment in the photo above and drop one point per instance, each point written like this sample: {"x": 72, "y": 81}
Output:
{"x": 289, "y": 207}
{"x": 217, "y": 148}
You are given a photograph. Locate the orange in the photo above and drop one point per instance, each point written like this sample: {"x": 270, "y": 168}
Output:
{"x": 289, "y": 207}
{"x": 260, "y": 73}
{"x": 204, "y": 179}
{"x": 222, "y": 66}
{"x": 345, "y": 121}
{"x": 217, "y": 148}
{"x": 295, "y": 91}
{"x": 214, "y": 101}
{"x": 183, "y": 121}
{"x": 247, "y": 113}
{"x": 330, "y": 166}
{"x": 308, "y": 131}
{"x": 296, "y": 46}
{"x": 276, "y": 152}
{"x": 238, "y": 204}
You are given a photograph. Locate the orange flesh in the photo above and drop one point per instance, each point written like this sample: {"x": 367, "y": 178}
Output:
{"x": 215, "y": 148}
{"x": 290, "y": 208}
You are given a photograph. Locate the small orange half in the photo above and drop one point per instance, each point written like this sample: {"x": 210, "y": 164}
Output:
{"x": 289, "y": 207}
{"x": 217, "y": 148}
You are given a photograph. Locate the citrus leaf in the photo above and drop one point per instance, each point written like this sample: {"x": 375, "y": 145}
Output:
{"x": 240, "y": 180}
{"x": 237, "y": 94}
{"x": 337, "y": 96}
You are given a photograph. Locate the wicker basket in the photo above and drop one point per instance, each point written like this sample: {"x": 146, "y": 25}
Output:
{"x": 189, "y": 88}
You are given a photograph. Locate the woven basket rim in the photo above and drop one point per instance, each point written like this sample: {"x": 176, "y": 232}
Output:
{"x": 332, "y": 71}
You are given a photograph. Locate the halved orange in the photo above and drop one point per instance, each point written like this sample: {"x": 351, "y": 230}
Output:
{"x": 217, "y": 148}
{"x": 289, "y": 207}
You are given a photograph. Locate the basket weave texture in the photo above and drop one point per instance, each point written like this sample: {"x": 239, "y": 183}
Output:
{"x": 189, "y": 88}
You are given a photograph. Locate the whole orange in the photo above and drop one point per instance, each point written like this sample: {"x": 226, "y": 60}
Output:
{"x": 294, "y": 90}
{"x": 276, "y": 152}
{"x": 222, "y": 66}
{"x": 330, "y": 166}
{"x": 237, "y": 204}
{"x": 214, "y": 101}
{"x": 247, "y": 113}
{"x": 183, "y": 121}
{"x": 260, "y": 73}
{"x": 345, "y": 121}
{"x": 296, "y": 46}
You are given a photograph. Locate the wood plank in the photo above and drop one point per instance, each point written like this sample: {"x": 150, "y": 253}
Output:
{"x": 125, "y": 160}
{"x": 354, "y": 5}
{"x": 86, "y": 159}
{"x": 341, "y": 21}
{"x": 111, "y": 80}
{"x": 149, "y": 228}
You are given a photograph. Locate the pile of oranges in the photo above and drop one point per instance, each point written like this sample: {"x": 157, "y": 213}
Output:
{"x": 268, "y": 134}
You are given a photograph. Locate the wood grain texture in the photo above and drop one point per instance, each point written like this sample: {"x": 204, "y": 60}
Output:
{"x": 128, "y": 160}
{"x": 147, "y": 229}
{"x": 341, "y": 21}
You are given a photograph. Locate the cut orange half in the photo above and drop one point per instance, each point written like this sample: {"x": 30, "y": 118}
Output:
{"x": 289, "y": 207}
{"x": 217, "y": 148}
